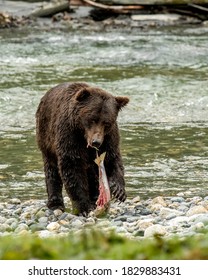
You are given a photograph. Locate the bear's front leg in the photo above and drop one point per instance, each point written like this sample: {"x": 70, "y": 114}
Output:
{"x": 117, "y": 186}
{"x": 54, "y": 185}
{"x": 74, "y": 177}
{"x": 115, "y": 174}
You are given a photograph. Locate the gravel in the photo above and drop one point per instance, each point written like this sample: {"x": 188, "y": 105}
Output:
{"x": 135, "y": 218}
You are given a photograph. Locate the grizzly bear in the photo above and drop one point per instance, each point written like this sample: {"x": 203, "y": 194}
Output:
{"x": 73, "y": 120}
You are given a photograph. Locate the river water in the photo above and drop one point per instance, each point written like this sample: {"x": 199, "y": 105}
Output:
{"x": 164, "y": 128}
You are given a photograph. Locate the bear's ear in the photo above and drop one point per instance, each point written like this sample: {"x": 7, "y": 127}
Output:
{"x": 121, "y": 101}
{"x": 82, "y": 95}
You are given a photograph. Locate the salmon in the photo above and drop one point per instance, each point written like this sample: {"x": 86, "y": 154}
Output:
{"x": 104, "y": 197}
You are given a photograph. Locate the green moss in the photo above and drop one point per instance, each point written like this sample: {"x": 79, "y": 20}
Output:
{"x": 93, "y": 244}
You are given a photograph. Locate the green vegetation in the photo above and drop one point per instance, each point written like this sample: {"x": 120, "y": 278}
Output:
{"x": 97, "y": 245}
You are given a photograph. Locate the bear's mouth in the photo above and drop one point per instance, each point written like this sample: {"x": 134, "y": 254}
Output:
{"x": 95, "y": 140}
{"x": 96, "y": 147}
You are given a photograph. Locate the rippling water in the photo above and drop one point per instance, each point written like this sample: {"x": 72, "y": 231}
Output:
{"x": 163, "y": 129}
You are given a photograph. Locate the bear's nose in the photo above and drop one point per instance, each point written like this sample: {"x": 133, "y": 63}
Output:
{"x": 96, "y": 143}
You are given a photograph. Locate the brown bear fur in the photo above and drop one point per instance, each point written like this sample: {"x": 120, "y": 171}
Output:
{"x": 72, "y": 119}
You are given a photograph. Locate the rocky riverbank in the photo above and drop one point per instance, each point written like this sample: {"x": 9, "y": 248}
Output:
{"x": 137, "y": 219}
{"x": 35, "y": 14}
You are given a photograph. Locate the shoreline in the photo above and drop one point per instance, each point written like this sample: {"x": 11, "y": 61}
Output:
{"x": 137, "y": 219}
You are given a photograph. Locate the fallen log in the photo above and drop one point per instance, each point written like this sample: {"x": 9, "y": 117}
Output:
{"x": 50, "y": 9}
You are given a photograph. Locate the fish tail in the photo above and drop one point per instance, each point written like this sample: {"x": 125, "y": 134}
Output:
{"x": 99, "y": 159}
{"x": 102, "y": 156}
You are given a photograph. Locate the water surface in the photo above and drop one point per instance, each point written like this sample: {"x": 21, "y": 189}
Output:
{"x": 163, "y": 129}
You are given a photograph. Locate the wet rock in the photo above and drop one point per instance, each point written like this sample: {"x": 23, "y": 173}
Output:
{"x": 5, "y": 228}
{"x": 122, "y": 218}
{"x": 159, "y": 200}
{"x": 131, "y": 219}
{"x": 37, "y": 227}
{"x": 64, "y": 223}
{"x": 43, "y": 220}
{"x": 205, "y": 204}
{"x": 113, "y": 211}
{"x": 53, "y": 226}
{"x": 130, "y": 228}
{"x": 178, "y": 221}
{"x": 18, "y": 211}
{"x": 146, "y": 212}
{"x": 68, "y": 216}
{"x": 144, "y": 224}
{"x": 21, "y": 227}
{"x": 26, "y": 215}
{"x": 139, "y": 233}
{"x": 76, "y": 223}
{"x": 57, "y": 212}
{"x": 121, "y": 230}
{"x": 155, "y": 207}
{"x": 198, "y": 209}
{"x": 155, "y": 230}
{"x": 165, "y": 212}
{"x": 14, "y": 225}
{"x": 90, "y": 221}
{"x": 14, "y": 201}
{"x": 178, "y": 199}
{"x": 22, "y": 232}
{"x": 136, "y": 199}
{"x": 45, "y": 233}
{"x": 10, "y": 221}
{"x": 183, "y": 208}
{"x": 2, "y": 220}
{"x": 118, "y": 223}
{"x": 202, "y": 219}
{"x": 1, "y": 207}
{"x": 197, "y": 227}
{"x": 40, "y": 214}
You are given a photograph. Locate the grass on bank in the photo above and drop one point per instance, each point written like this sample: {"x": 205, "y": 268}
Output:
{"x": 93, "y": 245}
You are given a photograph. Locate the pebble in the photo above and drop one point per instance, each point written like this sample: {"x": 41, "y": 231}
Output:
{"x": 15, "y": 201}
{"x": 199, "y": 209}
{"x": 136, "y": 199}
{"x": 159, "y": 200}
{"x": 76, "y": 223}
{"x": 155, "y": 230}
{"x": 57, "y": 212}
{"x": 53, "y": 226}
{"x": 165, "y": 213}
{"x": 181, "y": 215}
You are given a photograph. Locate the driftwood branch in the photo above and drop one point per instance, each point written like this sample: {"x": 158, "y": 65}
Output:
{"x": 198, "y": 7}
{"x": 116, "y": 8}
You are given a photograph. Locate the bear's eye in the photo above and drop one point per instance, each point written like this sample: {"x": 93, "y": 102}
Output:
{"x": 94, "y": 121}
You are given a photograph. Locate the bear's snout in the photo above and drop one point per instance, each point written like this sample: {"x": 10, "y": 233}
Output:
{"x": 95, "y": 136}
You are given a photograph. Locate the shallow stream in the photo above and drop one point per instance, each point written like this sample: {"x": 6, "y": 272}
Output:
{"x": 164, "y": 128}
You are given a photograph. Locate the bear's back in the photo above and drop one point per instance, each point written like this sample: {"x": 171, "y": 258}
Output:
{"x": 64, "y": 90}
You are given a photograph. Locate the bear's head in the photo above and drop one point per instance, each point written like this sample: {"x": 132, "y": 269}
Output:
{"x": 98, "y": 111}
